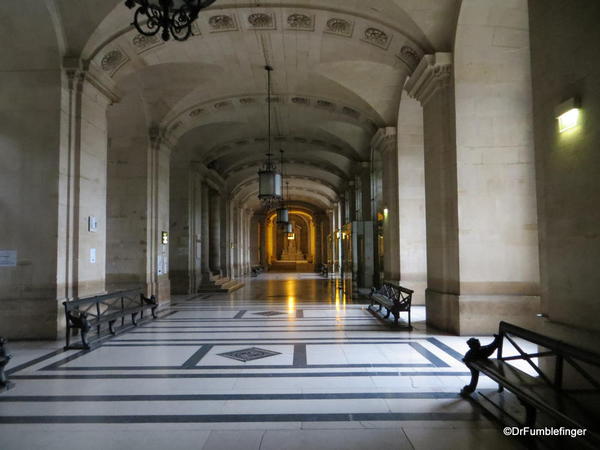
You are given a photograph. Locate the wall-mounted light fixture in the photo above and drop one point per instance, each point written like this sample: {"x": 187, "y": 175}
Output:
{"x": 386, "y": 212}
{"x": 164, "y": 237}
{"x": 568, "y": 114}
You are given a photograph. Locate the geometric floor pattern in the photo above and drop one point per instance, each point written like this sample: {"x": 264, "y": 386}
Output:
{"x": 223, "y": 372}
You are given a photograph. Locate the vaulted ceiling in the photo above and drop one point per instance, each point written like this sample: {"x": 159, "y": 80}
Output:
{"x": 340, "y": 66}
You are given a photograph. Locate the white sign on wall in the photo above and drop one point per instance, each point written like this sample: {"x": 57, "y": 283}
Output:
{"x": 163, "y": 261}
{"x": 93, "y": 255}
{"x": 160, "y": 265}
{"x": 8, "y": 258}
{"x": 92, "y": 224}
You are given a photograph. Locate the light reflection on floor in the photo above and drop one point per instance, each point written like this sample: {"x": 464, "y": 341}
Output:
{"x": 290, "y": 361}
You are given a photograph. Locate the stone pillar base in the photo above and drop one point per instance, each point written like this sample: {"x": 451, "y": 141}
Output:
{"x": 162, "y": 289}
{"x": 479, "y": 314}
{"x": 31, "y": 318}
{"x": 180, "y": 282}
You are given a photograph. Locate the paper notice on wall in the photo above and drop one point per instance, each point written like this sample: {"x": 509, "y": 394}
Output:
{"x": 8, "y": 258}
{"x": 160, "y": 265}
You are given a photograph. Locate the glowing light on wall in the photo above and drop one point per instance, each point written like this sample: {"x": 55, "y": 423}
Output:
{"x": 568, "y": 115}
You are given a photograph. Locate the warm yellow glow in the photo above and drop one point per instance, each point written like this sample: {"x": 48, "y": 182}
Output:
{"x": 291, "y": 236}
{"x": 386, "y": 212}
{"x": 291, "y": 304}
{"x": 568, "y": 120}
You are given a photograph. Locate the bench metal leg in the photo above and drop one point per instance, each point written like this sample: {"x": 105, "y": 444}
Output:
{"x": 396, "y": 318}
{"x": 409, "y": 324}
{"x": 530, "y": 414}
{"x": 111, "y": 327}
{"x": 470, "y": 388}
{"x": 84, "y": 341}
{"x": 134, "y": 318}
{"x": 68, "y": 337}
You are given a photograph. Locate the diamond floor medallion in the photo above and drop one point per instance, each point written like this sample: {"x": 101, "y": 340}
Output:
{"x": 249, "y": 354}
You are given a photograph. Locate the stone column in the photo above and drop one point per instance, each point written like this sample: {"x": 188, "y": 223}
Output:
{"x": 247, "y": 243}
{"x": 474, "y": 282}
{"x": 224, "y": 254}
{"x": 262, "y": 243}
{"x": 363, "y": 196}
{"x": 181, "y": 230}
{"x": 411, "y": 195}
{"x": 432, "y": 85}
{"x": 385, "y": 142}
{"x": 215, "y": 232}
{"x": 205, "y": 234}
{"x": 157, "y": 215}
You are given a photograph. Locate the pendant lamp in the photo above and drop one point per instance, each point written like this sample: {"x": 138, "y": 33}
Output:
{"x": 269, "y": 179}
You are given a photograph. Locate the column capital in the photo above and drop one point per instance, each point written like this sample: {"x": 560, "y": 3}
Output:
{"x": 79, "y": 71}
{"x": 433, "y": 72}
{"x": 384, "y": 139}
{"x": 160, "y": 139}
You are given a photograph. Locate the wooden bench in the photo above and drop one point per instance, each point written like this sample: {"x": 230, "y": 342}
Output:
{"x": 568, "y": 396}
{"x": 90, "y": 313}
{"x": 394, "y": 298}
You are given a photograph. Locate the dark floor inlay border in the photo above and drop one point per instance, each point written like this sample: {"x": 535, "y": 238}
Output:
{"x": 220, "y": 397}
{"x": 447, "y": 349}
{"x": 35, "y": 361}
{"x": 197, "y": 356}
{"x": 299, "y": 363}
{"x": 240, "y": 314}
{"x": 233, "y": 418}
{"x": 236, "y": 375}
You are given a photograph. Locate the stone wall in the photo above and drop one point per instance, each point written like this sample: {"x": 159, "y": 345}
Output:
{"x": 564, "y": 51}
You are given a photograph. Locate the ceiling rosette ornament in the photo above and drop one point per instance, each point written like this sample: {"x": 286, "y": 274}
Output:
{"x": 300, "y": 22}
{"x": 261, "y": 20}
{"x": 377, "y": 37}
{"x": 338, "y": 26}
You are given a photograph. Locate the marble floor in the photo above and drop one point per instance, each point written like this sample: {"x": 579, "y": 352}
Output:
{"x": 287, "y": 362}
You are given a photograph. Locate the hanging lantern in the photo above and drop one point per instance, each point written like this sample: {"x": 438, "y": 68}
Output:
{"x": 269, "y": 179}
{"x": 283, "y": 215}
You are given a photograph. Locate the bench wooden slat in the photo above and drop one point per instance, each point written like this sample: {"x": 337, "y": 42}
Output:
{"x": 394, "y": 298}
{"x": 572, "y": 408}
{"x": 91, "y": 312}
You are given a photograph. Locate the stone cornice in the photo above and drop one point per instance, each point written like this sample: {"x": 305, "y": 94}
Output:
{"x": 432, "y": 73}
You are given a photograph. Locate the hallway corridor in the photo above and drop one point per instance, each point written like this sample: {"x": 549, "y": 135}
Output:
{"x": 284, "y": 363}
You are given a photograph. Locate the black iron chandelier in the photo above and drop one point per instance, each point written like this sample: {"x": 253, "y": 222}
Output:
{"x": 173, "y": 17}
{"x": 269, "y": 179}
